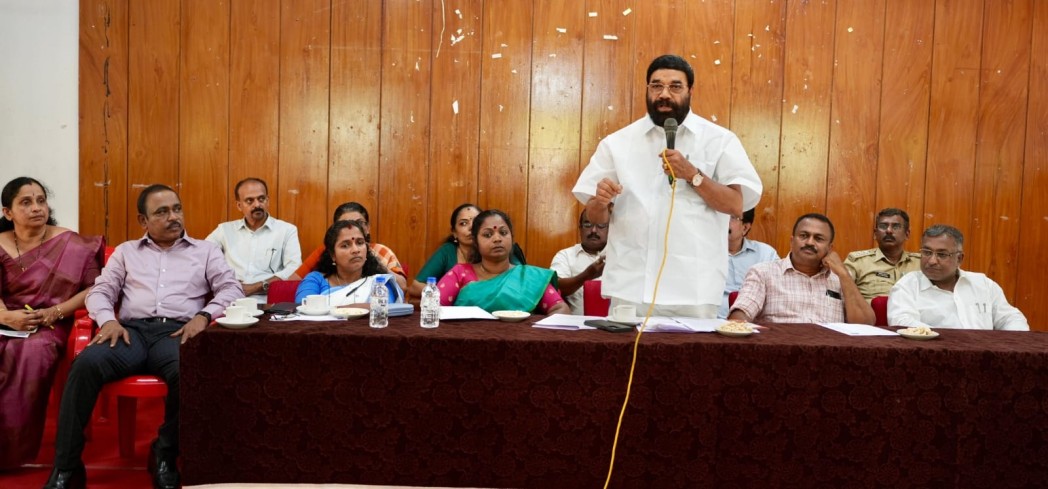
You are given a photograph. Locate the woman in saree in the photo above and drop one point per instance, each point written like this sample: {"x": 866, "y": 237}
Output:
{"x": 491, "y": 281}
{"x": 347, "y": 269}
{"x": 45, "y": 272}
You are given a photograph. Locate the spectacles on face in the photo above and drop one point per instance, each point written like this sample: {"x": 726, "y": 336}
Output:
{"x": 657, "y": 88}
{"x": 589, "y": 225}
{"x": 941, "y": 255}
{"x": 884, "y": 226}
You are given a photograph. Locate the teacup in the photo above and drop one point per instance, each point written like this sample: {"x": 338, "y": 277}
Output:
{"x": 249, "y": 304}
{"x": 624, "y": 313}
{"x": 315, "y": 302}
{"x": 237, "y": 314}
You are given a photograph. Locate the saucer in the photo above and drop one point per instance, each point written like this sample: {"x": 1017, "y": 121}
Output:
{"x": 349, "y": 312}
{"x": 730, "y": 329}
{"x": 257, "y": 312}
{"x": 918, "y": 337}
{"x": 511, "y": 316}
{"x": 224, "y": 321}
{"x": 320, "y": 311}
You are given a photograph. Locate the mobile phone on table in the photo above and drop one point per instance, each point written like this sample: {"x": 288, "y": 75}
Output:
{"x": 609, "y": 326}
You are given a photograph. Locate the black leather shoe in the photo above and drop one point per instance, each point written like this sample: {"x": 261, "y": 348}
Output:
{"x": 163, "y": 469}
{"x": 67, "y": 479}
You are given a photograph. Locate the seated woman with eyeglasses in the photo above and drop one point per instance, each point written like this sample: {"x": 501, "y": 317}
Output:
{"x": 491, "y": 281}
{"x": 457, "y": 248}
{"x": 347, "y": 269}
{"x": 353, "y": 211}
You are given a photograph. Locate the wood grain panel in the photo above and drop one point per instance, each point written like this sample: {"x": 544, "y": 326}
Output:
{"x": 356, "y": 99}
{"x": 153, "y": 41}
{"x": 556, "y": 109}
{"x": 103, "y": 119}
{"x": 506, "y": 96}
{"x": 1030, "y": 290}
{"x": 954, "y": 113}
{"x": 904, "y": 110}
{"x": 403, "y": 181}
{"x": 204, "y": 114}
{"x": 756, "y": 107}
{"x": 708, "y": 46}
{"x": 304, "y": 109}
{"x": 993, "y": 242}
{"x": 855, "y": 114}
{"x": 807, "y": 84}
{"x": 454, "y": 115}
{"x": 652, "y": 41}
{"x": 254, "y": 97}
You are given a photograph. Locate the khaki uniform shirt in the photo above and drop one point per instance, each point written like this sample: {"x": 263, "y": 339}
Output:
{"x": 874, "y": 275}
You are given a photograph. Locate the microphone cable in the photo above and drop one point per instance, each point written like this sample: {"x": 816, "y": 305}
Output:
{"x": 647, "y": 316}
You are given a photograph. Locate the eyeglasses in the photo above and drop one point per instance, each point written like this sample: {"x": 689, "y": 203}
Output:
{"x": 895, "y": 226}
{"x": 941, "y": 255}
{"x": 657, "y": 88}
{"x": 589, "y": 225}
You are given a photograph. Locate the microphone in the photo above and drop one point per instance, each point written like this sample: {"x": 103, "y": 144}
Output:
{"x": 670, "y": 125}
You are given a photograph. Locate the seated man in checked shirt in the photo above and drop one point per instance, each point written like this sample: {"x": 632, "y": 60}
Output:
{"x": 810, "y": 285}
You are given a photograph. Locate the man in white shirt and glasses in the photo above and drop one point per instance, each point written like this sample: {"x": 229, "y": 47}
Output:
{"x": 941, "y": 295}
{"x": 582, "y": 262}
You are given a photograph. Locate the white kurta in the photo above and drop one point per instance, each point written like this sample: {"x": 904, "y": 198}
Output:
{"x": 697, "y": 258}
{"x": 975, "y": 303}
{"x": 570, "y": 262}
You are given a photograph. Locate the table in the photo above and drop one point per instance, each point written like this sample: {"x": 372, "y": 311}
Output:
{"x": 488, "y": 404}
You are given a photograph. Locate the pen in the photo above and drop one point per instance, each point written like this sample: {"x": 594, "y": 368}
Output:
{"x": 30, "y": 309}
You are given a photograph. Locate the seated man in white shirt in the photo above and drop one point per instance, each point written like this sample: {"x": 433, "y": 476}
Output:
{"x": 259, "y": 248}
{"x": 941, "y": 295}
{"x": 742, "y": 254}
{"x": 582, "y": 262}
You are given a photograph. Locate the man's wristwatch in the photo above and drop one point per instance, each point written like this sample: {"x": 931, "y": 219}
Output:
{"x": 265, "y": 286}
{"x": 697, "y": 179}
{"x": 206, "y": 315}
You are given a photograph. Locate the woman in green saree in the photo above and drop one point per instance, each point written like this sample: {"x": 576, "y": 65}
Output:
{"x": 491, "y": 282}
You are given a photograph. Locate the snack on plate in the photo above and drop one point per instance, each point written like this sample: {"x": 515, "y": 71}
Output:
{"x": 736, "y": 327}
{"x": 919, "y": 331}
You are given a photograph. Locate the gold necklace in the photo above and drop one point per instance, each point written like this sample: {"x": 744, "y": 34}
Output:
{"x": 19, "y": 251}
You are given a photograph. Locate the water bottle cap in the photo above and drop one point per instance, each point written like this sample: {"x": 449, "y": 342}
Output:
{"x": 431, "y": 280}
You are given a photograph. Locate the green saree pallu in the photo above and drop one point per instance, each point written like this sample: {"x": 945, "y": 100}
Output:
{"x": 518, "y": 289}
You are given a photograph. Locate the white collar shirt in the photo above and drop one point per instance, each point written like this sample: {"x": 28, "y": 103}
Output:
{"x": 697, "y": 256}
{"x": 975, "y": 303}
{"x": 271, "y": 250}
{"x": 570, "y": 262}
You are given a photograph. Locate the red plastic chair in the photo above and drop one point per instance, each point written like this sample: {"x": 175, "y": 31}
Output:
{"x": 282, "y": 291}
{"x": 592, "y": 302}
{"x": 880, "y": 309}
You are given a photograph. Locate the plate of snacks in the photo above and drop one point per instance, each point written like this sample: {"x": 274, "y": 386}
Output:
{"x": 511, "y": 316}
{"x": 735, "y": 329}
{"x": 346, "y": 312}
{"x": 920, "y": 333}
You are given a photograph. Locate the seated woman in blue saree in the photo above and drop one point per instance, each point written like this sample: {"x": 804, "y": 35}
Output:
{"x": 347, "y": 270}
{"x": 491, "y": 282}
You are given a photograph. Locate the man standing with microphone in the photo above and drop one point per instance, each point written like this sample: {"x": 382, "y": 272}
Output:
{"x": 669, "y": 167}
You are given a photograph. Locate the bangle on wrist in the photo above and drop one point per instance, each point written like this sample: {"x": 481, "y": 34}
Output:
{"x": 61, "y": 316}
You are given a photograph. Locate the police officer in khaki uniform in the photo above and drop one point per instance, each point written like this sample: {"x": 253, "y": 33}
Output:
{"x": 877, "y": 269}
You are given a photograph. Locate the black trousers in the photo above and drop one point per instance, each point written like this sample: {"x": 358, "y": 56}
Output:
{"x": 152, "y": 352}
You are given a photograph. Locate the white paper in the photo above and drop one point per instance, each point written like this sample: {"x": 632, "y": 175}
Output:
{"x": 463, "y": 312}
{"x": 14, "y": 334}
{"x": 662, "y": 324}
{"x": 568, "y": 322}
{"x": 858, "y": 329}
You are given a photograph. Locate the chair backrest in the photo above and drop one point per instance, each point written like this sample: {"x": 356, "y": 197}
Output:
{"x": 592, "y": 302}
{"x": 282, "y": 291}
{"x": 880, "y": 309}
{"x": 108, "y": 253}
{"x": 731, "y": 298}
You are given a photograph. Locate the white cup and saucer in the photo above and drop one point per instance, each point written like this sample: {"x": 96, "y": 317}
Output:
{"x": 315, "y": 305}
{"x": 624, "y": 315}
{"x": 237, "y": 317}
{"x": 250, "y": 305}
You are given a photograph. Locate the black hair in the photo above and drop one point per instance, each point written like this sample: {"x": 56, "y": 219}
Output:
{"x": 479, "y": 221}
{"x": 351, "y": 207}
{"x": 747, "y": 217}
{"x": 7, "y": 198}
{"x": 146, "y": 192}
{"x": 940, "y": 229}
{"x": 817, "y": 217}
{"x": 671, "y": 62}
{"x": 582, "y": 217}
{"x": 236, "y": 190}
{"x": 454, "y": 217}
{"x": 326, "y": 265}
{"x": 892, "y": 211}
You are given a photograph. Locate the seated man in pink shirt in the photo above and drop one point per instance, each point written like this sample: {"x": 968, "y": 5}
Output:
{"x": 810, "y": 285}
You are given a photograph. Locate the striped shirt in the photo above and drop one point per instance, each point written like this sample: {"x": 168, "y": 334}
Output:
{"x": 775, "y": 292}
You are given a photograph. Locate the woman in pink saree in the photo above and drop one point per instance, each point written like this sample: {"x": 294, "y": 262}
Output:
{"x": 45, "y": 271}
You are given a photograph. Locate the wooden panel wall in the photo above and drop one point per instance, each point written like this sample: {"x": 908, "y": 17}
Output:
{"x": 412, "y": 107}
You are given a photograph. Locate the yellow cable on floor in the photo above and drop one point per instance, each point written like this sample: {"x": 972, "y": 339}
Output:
{"x": 647, "y": 316}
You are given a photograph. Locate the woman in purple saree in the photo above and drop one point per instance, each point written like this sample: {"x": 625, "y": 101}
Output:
{"x": 48, "y": 269}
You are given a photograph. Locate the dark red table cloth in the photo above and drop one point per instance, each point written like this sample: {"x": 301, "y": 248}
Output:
{"x": 488, "y": 404}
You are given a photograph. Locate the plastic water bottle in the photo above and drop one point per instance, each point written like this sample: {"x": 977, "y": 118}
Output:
{"x": 430, "y": 304}
{"x": 379, "y": 304}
